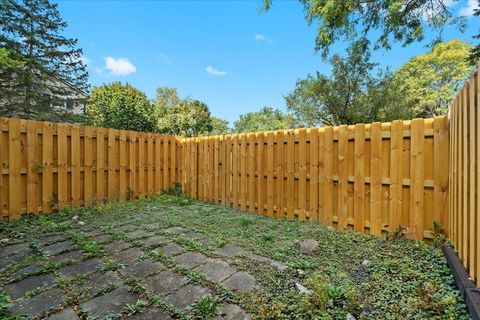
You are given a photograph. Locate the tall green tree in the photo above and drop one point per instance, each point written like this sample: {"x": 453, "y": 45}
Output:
{"x": 474, "y": 57}
{"x": 388, "y": 21}
{"x": 430, "y": 81}
{"x": 353, "y": 93}
{"x": 266, "y": 119}
{"x": 219, "y": 127}
{"x": 120, "y": 106}
{"x": 185, "y": 117}
{"x": 52, "y": 63}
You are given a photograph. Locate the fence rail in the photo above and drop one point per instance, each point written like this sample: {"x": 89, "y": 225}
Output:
{"x": 464, "y": 198}
{"x": 46, "y": 166}
{"x": 371, "y": 178}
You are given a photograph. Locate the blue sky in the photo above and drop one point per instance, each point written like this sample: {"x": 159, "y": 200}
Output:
{"x": 225, "y": 53}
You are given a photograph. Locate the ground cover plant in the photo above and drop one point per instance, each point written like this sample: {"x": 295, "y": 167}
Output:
{"x": 117, "y": 250}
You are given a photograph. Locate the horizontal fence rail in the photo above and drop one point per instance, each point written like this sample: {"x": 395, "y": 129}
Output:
{"x": 46, "y": 166}
{"x": 371, "y": 178}
{"x": 464, "y": 197}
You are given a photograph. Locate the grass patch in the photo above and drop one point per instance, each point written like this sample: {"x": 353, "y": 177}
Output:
{"x": 350, "y": 273}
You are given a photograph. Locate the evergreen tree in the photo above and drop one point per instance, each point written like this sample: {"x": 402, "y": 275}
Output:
{"x": 51, "y": 63}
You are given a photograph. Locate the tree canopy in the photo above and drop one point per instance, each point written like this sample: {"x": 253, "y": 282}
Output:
{"x": 185, "y": 117}
{"x": 354, "y": 93}
{"x": 389, "y": 21}
{"x": 430, "y": 81}
{"x": 120, "y": 106}
{"x": 51, "y": 64}
{"x": 266, "y": 119}
{"x": 219, "y": 127}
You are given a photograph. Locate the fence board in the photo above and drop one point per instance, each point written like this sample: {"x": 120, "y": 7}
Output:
{"x": 32, "y": 168}
{"x": 47, "y": 174}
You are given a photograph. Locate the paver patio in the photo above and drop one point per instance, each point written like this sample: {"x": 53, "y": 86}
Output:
{"x": 61, "y": 281}
{"x": 137, "y": 266}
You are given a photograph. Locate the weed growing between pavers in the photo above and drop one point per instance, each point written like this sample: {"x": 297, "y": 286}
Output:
{"x": 400, "y": 278}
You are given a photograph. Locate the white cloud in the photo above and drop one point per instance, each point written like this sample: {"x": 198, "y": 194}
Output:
{"x": 166, "y": 59}
{"x": 468, "y": 9}
{"x": 261, "y": 37}
{"x": 119, "y": 66}
{"x": 215, "y": 72}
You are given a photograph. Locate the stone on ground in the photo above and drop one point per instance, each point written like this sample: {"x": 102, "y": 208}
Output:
{"x": 165, "y": 282}
{"x": 67, "y": 256}
{"x": 150, "y": 313}
{"x": 18, "y": 289}
{"x": 65, "y": 314}
{"x": 169, "y": 250}
{"x": 38, "y": 305}
{"x": 241, "y": 281}
{"x": 190, "y": 259}
{"x": 185, "y": 296}
{"x": 142, "y": 269}
{"x": 216, "y": 270}
{"x": 83, "y": 267}
{"x": 110, "y": 303}
{"x": 232, "y": 312}
{"x": 231, "y": 251}
{"x": 308, "y": 246}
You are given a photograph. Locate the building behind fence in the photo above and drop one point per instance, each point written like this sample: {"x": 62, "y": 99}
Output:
{"x": 372, "y": 178}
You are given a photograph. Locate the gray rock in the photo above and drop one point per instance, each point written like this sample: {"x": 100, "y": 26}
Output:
{"x": 65, "y": 314}
{"x": 279, "y": 265}
{"x": 38, "y": 305}
{"x": 302, "y": 289}
{"x": 308, "y": 246}
{"x": 76, "y": 255}
{"x": 176, "y": 230}
{"x": 241, "y": 282}
{"x": 232, "y": 312}
{"x": 18, "y": 289}
{"x": 216, "y": 270}
{"x": 127, "y": 256}
{"x": 350, "y": 317}
{"x": 365, "y": 263}
{"x": 150, "y": 313}
{"x": 231, "y": 251}
{"x": 116, "y": 246}
{"x": 169, "y": 250}
{"x": 58, "y": 247}
{"x": 30, "y": 269}
{"x": 7, "y": 251}
{"x": 165, "y": 282}
{"x": 190, "y": 259}
{"x": 83, "y": 267}
{"x": 185, "y": 296}
{"x": 110, "y": 303}
{"x": 98, "y": 283}
{"x": 139, "y": 234}
{"x": 142, "y": 269}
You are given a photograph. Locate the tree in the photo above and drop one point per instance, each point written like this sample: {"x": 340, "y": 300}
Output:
{"x": 122, "y": 107}
{"x": 430, "y": 81}
{"x": 348, "y": 96}
{"x": 389, "y": 20}
{"x": 10, "y": 63}
{"x": 266, "y": 119}
{"x": 219, "y": 127}
{"x": 185, "y": 117}
{"x": 52, "y": 64}
{"x": 474, "y": 57}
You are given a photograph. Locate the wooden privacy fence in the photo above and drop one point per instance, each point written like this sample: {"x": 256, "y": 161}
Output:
{"x": 371, "y": 178}
{"x": 464, "y": 217}
{"x": 46, "y": 166}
